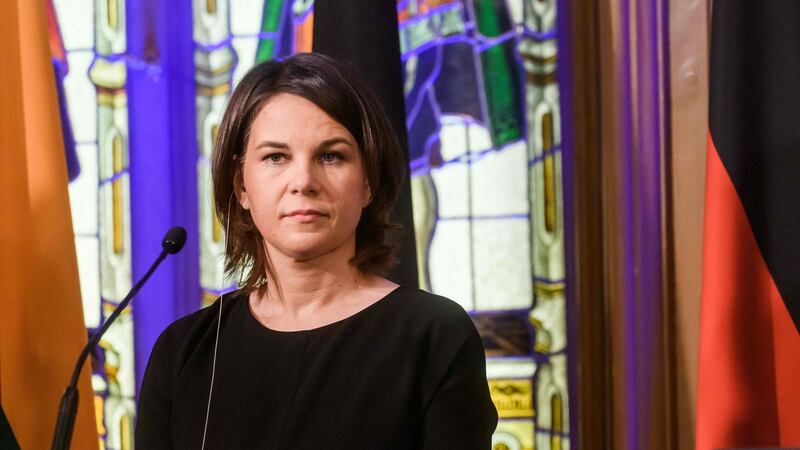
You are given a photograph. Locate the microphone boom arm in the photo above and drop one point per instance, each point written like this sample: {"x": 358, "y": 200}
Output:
{"x": 68, "y": 408}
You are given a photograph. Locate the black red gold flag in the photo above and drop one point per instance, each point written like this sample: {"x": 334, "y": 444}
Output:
{"x": 749, "y": 380}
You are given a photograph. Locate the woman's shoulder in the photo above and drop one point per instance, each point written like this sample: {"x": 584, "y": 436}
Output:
{"x": 189, "y": 331}
{"x": 441, "y": 335}
{"x": 430, "y": 310}
{"x": 424, "y": 300}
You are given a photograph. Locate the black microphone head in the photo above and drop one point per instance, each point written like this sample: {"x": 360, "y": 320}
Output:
{"x": 174, "y": 239}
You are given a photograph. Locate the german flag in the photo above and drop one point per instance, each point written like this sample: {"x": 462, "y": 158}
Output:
{"x": 749, "y": 380}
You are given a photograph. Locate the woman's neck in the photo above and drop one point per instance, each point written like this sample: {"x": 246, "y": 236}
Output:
{"x": 302, "y": 284}
{"x": 315, "y": 292}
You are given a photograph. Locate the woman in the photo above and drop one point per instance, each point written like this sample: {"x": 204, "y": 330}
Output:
{"x": 316, "y": 349}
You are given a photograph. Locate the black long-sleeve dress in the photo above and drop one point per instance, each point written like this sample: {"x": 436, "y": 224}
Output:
{"x": 407, "y": 372}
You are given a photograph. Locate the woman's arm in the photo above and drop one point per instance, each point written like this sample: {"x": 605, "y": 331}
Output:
{"x": 461, "y": 413}
{"x": 153, "y": 430}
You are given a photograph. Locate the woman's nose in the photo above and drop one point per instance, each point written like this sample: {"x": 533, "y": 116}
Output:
{"x": 304, "y": 178}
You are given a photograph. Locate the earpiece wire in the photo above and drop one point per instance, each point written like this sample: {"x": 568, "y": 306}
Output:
{"x": 219, "y": 323}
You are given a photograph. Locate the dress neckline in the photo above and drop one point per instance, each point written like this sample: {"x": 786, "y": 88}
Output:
{"x": 245, "y": 297}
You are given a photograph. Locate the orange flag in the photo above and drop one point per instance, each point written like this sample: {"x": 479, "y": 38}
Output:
{"x": 41, "y": 319}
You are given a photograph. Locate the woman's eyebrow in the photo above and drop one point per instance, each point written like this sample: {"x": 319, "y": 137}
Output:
{"x": 271, "y": 144}
{"x": 334, "y": 140}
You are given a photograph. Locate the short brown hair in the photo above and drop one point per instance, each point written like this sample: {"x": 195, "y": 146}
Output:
{"x": 335, "y": 89}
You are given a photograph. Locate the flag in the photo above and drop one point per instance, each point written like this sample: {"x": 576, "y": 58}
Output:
{"x": 41, "y": 320}
{"x": 749, "y": 368}
{"x": 363, "y": 34}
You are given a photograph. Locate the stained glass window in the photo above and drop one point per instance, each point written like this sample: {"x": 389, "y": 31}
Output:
{"x": 483, "y": 120}
{"x": 95, "y": 42}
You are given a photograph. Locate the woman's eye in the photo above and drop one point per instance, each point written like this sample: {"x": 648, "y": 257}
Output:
{"x": 275, "y": 157}
{"x": 330, "y": 157}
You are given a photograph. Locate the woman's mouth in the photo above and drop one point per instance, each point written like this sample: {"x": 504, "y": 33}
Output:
{"x": 304, "y": 215}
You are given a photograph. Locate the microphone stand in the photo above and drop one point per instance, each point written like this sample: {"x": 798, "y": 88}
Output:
{"x": 67, "y": 410}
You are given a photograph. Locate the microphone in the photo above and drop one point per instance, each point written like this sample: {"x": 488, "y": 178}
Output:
{"x": 172, "y": 243}
{"x": 174, "y": 239}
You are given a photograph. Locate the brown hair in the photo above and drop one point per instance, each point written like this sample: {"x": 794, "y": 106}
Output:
{"x": 336, "y": 90}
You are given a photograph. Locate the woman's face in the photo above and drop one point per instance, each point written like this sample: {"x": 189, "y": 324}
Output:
{"x": 303, "y": 179}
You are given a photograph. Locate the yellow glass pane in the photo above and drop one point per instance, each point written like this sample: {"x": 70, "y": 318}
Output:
{"x": 117, "y": 202}
{"x": 112, "y": 17}
{"x": 512, "y": 398}
{"x": 549, "y": 174}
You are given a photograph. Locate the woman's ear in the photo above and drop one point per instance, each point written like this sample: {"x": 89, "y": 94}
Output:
{"x": 239, "y": 190}
{"x": 367, "y": 194}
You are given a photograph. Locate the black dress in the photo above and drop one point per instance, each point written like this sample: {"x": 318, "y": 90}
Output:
{"x": 407, "y": 372}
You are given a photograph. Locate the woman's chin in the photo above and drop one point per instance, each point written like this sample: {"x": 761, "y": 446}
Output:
{"x": 304, "y": 250}
{"x": 305, "y": 255}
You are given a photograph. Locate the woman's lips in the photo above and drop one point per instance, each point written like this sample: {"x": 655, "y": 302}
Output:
{"x": 305, "y": 215}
